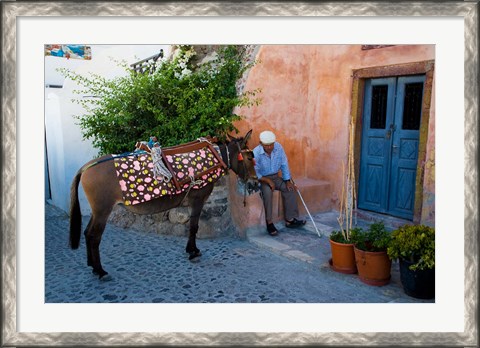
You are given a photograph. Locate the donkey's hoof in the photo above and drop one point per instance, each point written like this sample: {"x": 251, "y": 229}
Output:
{"x": 102, "y": 275}
{"x": 194, "y": 255}
{"x": 106, "y": 278}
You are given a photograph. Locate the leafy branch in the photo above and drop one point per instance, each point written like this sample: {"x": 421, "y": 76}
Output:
{"x": 177, "y": 100}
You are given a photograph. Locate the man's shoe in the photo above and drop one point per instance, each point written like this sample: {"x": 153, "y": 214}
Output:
{"x": 271, "y": 229}
{"x": 294, "y": 223}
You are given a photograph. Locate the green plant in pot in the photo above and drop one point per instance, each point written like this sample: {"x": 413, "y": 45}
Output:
{"x": 414, "y": 247}
{"x": 373, "y": 263}
{"x": 341, "y": 246}
{"x": 346, "y": 238}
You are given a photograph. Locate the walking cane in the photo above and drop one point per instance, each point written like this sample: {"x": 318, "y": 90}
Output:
{"x": 308, "y": 212}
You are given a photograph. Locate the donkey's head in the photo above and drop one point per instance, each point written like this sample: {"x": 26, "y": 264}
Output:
{"x": 242, "y": 161}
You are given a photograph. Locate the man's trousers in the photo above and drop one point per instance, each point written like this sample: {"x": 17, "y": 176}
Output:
{"x": 290, "y": 206}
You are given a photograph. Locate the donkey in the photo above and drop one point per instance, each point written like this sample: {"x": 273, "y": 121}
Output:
{"x": 103, "y": 192}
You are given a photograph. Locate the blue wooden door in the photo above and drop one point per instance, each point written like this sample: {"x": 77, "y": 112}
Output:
{"x": 389, "y": 150}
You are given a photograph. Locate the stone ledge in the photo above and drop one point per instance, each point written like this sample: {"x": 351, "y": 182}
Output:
{"x": 315, "y": 193}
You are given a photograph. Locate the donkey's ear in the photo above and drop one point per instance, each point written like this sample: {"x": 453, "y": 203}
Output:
{"x": 247, "y": 137}
{"x": 231, "y": 138}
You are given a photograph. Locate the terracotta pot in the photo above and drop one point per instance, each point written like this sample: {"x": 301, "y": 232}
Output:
{"x": 419, "y": 283}
{"x": 373, "y": 267}
{"x": 343, "y": 258}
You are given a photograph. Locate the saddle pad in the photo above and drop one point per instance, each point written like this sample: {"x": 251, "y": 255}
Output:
{"x": 172, "y": 155}
{"x": 139, "y": 184}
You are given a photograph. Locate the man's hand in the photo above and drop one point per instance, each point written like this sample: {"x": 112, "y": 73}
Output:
{"x": 268, "y": 181}
{"x": 290, "y": 185}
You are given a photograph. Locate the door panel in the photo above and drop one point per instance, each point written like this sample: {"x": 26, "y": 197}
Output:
{"x": 379, "y": 106}
{"x": 389, "y": 150}
{"x": 408, "y": 112}
{"x": 374, "y": 175}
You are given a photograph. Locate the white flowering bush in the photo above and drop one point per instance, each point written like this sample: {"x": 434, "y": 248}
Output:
{"x": 182, "y": 58}
{"x": 177, "y": 103}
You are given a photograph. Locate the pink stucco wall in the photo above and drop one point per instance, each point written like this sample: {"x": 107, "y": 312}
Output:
{"x": 306, "y": 100}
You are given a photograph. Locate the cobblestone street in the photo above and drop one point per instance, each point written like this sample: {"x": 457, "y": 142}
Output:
{"x": 153, "y": 268}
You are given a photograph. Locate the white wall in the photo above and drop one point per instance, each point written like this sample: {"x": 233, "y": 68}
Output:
{"x": 66, "y": 150}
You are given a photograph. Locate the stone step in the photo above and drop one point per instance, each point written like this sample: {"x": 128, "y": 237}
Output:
{"x": 317, "y": 195}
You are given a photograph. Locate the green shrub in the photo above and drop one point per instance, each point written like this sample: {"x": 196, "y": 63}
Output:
{"x": 415, "y": 244}
{"x": 375, "y": 238}
{"x": 179, "y": 102}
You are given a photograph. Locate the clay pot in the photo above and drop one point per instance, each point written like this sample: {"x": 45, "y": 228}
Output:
{"x": 373, "y": 267}
{"x": 343, "y": 258}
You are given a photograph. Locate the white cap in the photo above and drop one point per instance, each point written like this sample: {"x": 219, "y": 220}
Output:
{"x": 267, "y": 137}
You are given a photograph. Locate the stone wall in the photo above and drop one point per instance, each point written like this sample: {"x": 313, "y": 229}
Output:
{"x": 215, "y": 220}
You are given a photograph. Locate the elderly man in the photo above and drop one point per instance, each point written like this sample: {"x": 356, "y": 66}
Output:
{"x": 270, "y": 159}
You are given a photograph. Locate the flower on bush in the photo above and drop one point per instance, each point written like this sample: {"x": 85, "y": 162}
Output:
{"x": 182, "y": 58}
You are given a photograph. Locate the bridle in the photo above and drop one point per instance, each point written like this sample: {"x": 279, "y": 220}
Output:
{"x": 241, "y": 153}
{"x": 240, "y": 157}
{"x": 247, "y": 175}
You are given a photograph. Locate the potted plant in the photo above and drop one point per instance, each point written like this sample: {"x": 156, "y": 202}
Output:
{"x": 373, "y": 263}
{"x": 414, "y": 247}
{"x": 342, "y": 241}
{"x": 341, "y": 246}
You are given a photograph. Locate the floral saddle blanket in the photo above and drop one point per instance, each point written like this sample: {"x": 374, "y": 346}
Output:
{"x": 191, "y": 166}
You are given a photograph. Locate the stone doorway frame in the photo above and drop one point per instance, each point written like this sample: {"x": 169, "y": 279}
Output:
{"x": 358, "y": 88}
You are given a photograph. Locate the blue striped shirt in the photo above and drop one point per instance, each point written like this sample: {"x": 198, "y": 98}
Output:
{"x": 268, "y": 165}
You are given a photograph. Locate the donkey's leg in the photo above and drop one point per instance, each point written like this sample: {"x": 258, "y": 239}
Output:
{"x": 93, "y": 239}
{"x": 196, "y": 204}
{"x": 191, "y": 248}
{"x": 89, "y": 253}
{"x": 103, "y": 192}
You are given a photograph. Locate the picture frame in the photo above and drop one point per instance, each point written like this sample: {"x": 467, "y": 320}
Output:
{"x": 12, "y": 12}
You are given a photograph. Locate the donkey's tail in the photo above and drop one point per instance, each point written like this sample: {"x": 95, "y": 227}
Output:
{"x": 75, "y": 213}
